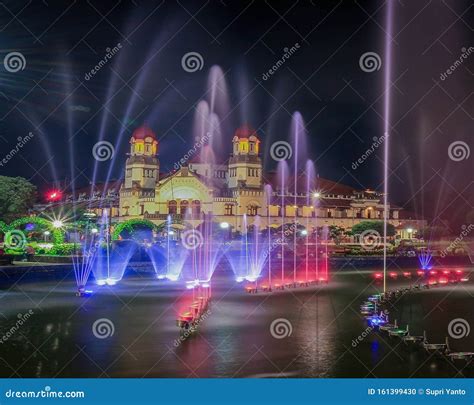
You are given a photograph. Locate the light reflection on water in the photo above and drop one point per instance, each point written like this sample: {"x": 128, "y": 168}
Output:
{"x": 235, "y": 340}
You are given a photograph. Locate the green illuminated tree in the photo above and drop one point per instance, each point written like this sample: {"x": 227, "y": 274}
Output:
{"x": 17, "y": 195}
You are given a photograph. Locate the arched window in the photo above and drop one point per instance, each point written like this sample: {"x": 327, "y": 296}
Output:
{"x": 172, "y": 207}
{"x": 229, "y": 209}
{"x": 196, "y": 207}
{"x": 252, "y": 210}
{"x": 184, "y": 207}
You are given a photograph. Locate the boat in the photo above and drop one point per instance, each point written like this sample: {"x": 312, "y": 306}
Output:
{"x": 434, "y": 347}
{"x": 388, "y": 326}
{"x": 398, "y": 332}
{"x": 410, "y": 339}
{"x": 453, "y": 356}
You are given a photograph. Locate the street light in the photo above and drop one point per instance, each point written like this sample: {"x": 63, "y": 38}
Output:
{"x": 317, "y": 194}
{"x": 57, "y": 223}
{"x": 94, "y": 230}
{"x": 224, "y": 225}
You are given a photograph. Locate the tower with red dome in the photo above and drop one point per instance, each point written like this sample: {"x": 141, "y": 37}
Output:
{"x": 245, "y": 165}
{"x": 142, "y": 166}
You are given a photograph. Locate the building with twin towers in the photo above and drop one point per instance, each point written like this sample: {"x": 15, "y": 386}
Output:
{"x": 236, "y": 189}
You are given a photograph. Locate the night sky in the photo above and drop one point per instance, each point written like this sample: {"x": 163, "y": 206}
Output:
{"x": 341, "y": 104}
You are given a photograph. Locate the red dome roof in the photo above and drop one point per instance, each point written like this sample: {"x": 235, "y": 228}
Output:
{"x": 143, "y": 132}
{"x": 245, "y": 131}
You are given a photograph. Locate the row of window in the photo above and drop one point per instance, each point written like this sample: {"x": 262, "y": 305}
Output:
{"x": 252, "y": 172}
{"x": 148, "y": 173}
{"x": 194, "y": 208}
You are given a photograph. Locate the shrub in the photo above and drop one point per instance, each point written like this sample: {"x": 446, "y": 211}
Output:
{"x": 64, "y": 249}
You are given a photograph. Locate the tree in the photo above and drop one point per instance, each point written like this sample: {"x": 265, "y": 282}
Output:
{"x": 336, "y": 233}
{"x": 17, "y": 195}
{"x": 377, "y": 226}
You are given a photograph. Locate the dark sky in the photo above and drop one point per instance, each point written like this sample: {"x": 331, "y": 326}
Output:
{"x": 341, "y": 104}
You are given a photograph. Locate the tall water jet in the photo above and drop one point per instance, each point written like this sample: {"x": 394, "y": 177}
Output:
{"x": 282, "y": 175}
{"x": 387, "y": 83}
{"x": 112, "y": 260}
{"x": 268, "y": 198}
{"x": 298, "y": 138}
{"x": 218, "y": 96}
{"x": 310, "y": 184}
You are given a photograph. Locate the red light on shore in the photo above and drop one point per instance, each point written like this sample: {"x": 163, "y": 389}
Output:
{"x": 392, "y": 274}
{"x": 54, "y": 195}
{"x": 378, "y": 276}
{"x": 420, "y": 272}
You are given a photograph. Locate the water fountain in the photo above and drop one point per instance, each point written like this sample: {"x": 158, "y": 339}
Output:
{"x": 387, "y": 120}
{"x": 112, "y": 259}
{"x": 425, "y": 257}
